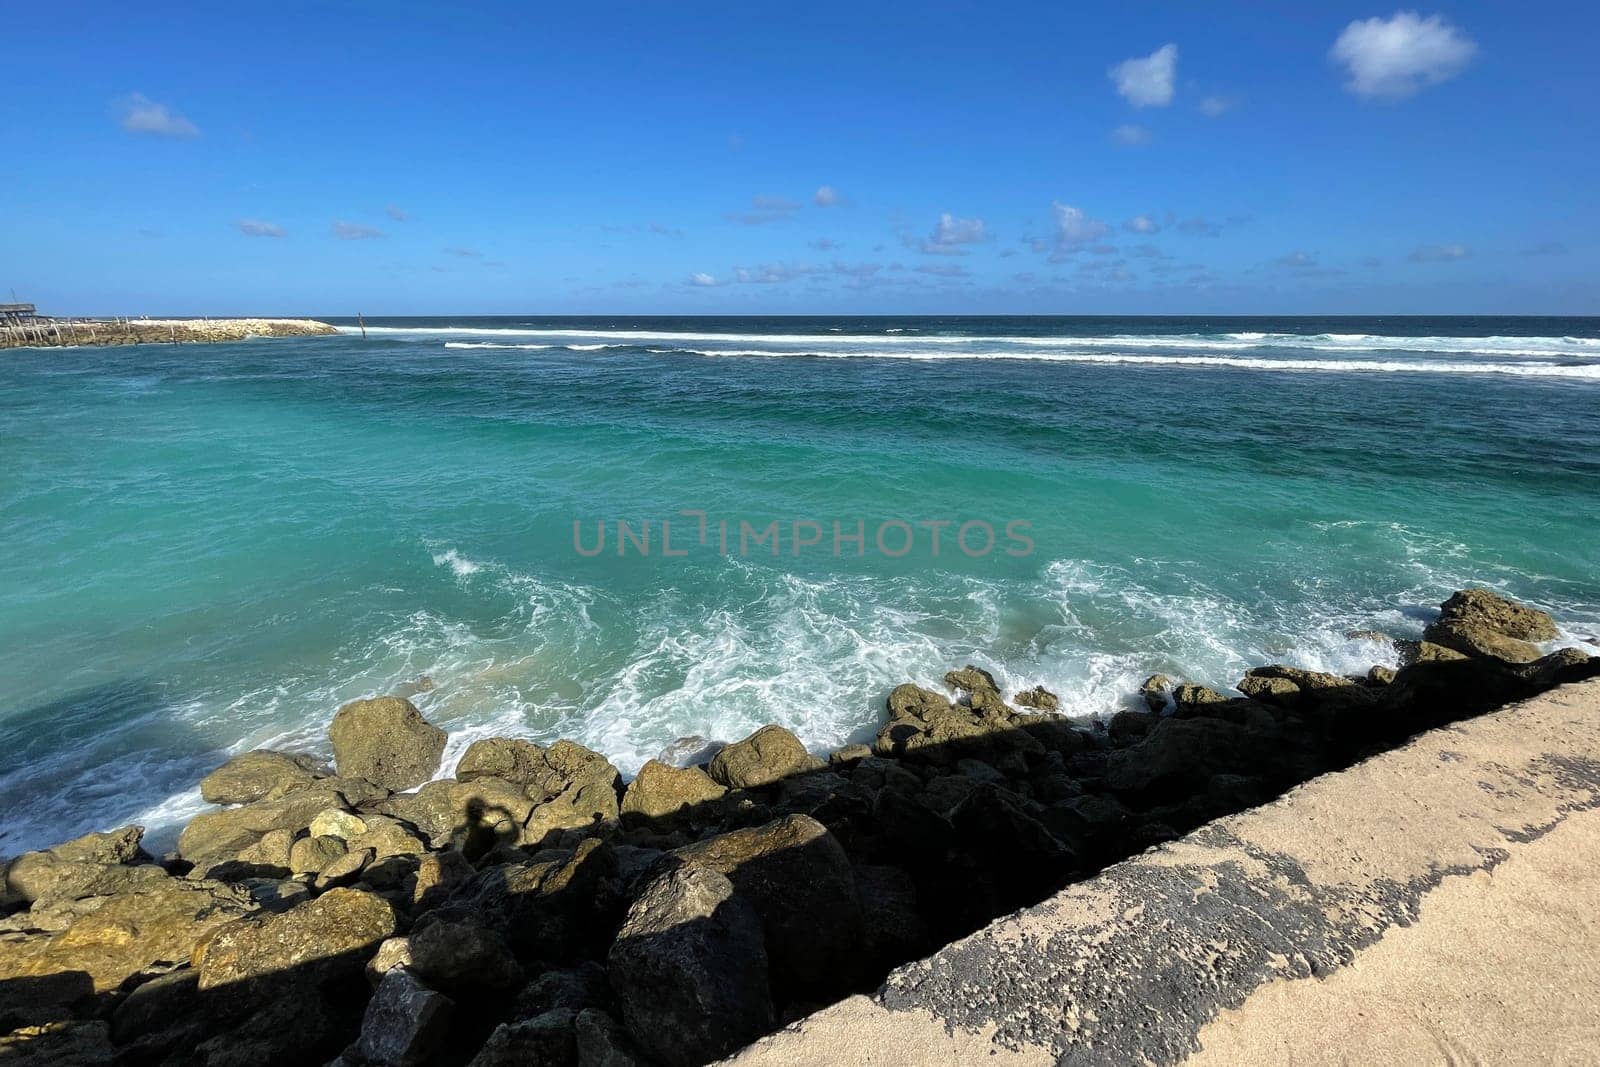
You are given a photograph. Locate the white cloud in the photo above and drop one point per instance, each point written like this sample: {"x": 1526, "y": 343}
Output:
{"x": 1214, "y": 106}
{"x": 826, "y": 196}
{"x": 257, "y": 228}
{"x": 950, "y": 233}
{"x": 1129, "y": 134}
{"x": 140, "y": 114}
{"x": 396, "y": 212}
{"x": 771, "y": 273}
{"x": 354, "y": 231}
{"x": 1439, "y": 253}
{"x": 702, "y": 279}
{"x": 1142, "y": 224}
{"x": 1074, "y": 228}
{"x": 1296, "y": 259}
{"x": 1148, "y": 82}
{"x": 767, "y": 209}
{"x": 1389, "y": 59}
{"x": 825, "y": 244}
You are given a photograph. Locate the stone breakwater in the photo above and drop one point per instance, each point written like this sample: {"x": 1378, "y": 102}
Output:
{"x": 60, "y": 333}
{"x": 535, "y": 909}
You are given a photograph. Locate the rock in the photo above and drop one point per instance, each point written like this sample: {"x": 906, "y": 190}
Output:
{"x": 1181, "y": 755}
{"x": 92, "y": 865}
{"x": 64, "y": 1043}
{"x": 309, "y": 855}
{"x": 346, "y": 870}
{"x": 769, "y": 754}
{"x": 689, "y": 968}
{"x": 798, "y": 878}
{"x": 575, "y": 789}
{"x": 459, "y": 955}
{"x": 577, "y": 988}
{"x": 992, "y": 823}
{"x": 849, "y": 754}
{"x": 215, "y": 836}
{"x": 509, "y": 758}
{"x": 337, "y": 931}
{"x": 1270, "y": 690}
{"x": 266, "y": 857}
{"x": 544, "y": 1041}
{"x": 661, "y": 790}
{"x": 909, "y": 828}
{"x": 1189, "y": 695}
{"x": 553, "y": 907}
{"x": 602, "y": 1042}
{"x": 1156, "y": 692}
{"x": 983, "y": 694}
{"x": 387, "y": 837}
{"x": 893, "y": 929}
{"x": 1038, "y": 697}
{"x": 437, "y": 876}
{"x": 393, "y": 952}
{"x": 386, "y": 741}
{"x": 336, "y": 822}
{"x": 473, "y": 816}
{"x": 261, "y": 775}
{"x": 913, "y": 702}
{"x": 130, "y": 932}
{"x": 1378, "y": 674}
{"x": 406, "y": 1023}
{"x": 690, "y": 751}
{"x": 1128, "y": 726}
{"x": 1481, "y": 623}
{"x": 152, "y": 1006}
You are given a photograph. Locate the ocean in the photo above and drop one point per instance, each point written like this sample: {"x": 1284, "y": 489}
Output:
{"x": 209, "y": 548}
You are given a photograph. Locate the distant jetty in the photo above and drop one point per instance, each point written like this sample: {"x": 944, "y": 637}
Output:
{"x": 22, "y": 327}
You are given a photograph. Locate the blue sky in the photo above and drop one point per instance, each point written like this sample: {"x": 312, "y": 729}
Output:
{"x": 831, "y": 158}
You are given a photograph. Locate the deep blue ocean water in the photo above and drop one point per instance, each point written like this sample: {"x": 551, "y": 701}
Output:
{"x": 209, "y": 548}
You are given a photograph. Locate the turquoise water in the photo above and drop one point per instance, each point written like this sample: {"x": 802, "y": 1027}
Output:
{"x": 209, "y": 548}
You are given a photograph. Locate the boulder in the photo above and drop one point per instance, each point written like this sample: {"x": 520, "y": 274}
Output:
{"x": 471, "y": 816}
{"x": 849, "y": 754}
{"x": 346, "y": 870}
{"x": 215, "y": 836}
{"x": 893, "y": 929}
{"x": 602, "y": 1042}
{"x": 128, "y": 933}
{"x": 577, "y": 988}
{"x": 769, "y": 754}
{"x": 337, "y": 932}
{"x": 261, "y": 775}
{"x": 386, "y": 837}
{"x": 437, "y": 876}
{"x": 1039, "y": 698}
{"x": 690, "y": 751}
{"x": 309, "y": 855}
{"x": 661, "y": 789}
{"x": 1128, "y": 726}
{"x": 1478, "y": 622}
{"x": 689, "y": 968}
{"x": 552, "y": 907}
{"x": 512, "y": 759}
{"x": 1180, "y": 756}
{"x": 993, "y": 824}
{"x": 92, "y": 865}
{"x": 392, "y": 952}
{"x": 1190, "y": 695}
{"x": 406, "y": 1023}
{"x": 460, "y": 954}
{"x": 914, "y": 702}
{"x": 797, "y": 876}
{"x": 546, "y": 1040}
{"x": 336, "y": 822}
{"x": 1156, "y": 692}
{"x": 574, "y": 789}
{"x": 386, "y": 741}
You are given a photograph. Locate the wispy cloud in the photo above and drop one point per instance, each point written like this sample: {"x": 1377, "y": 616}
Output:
{"x": 138, "y": 113}
{"x": 824, "y": 244}
{"x": 396, "y": 212}
{"x": 1216, "y": 105}
{"x": 943, "y": 270}
{"x": 661, "y": 229}
{"x": 354, "y": 231}
{"x": 257, "y": 228}
{"x": 826, "y": 196}
{"x": 771, "y": 273}
{"x": 1147, "y": 82}
{"x": 1199, "y": 227}
{"x": 767, "y": 209}
{"x": 1129, "y": 134}
{"x": 1390, "y": 59}
{"x": 950, "y": 236}
{"x": 1142, "y": 224}
{"x": 464, "y": 253}
{"x": 1439, "y": 253}
{"x": 1548, "y": 248}
{"x": 703, "y": 280}
{"x": 1296, "y": 260}
{"x": 856, "y": 270}
{"x": 1074, "y": 228}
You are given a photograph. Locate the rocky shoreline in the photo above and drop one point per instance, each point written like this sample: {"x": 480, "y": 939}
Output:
{"x": 536, "y": 909}
{"x": 67, "y": 333}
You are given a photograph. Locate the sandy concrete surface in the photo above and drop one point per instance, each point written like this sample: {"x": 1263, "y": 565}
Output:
{"x": 1437, "y": 903}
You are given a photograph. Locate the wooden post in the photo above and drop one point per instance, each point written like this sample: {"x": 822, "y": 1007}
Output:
{"x": 363, "y": 323}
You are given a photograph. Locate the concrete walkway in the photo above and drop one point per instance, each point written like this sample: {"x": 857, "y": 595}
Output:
{"x": 1438, "y": 903}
